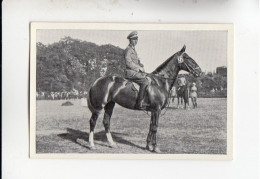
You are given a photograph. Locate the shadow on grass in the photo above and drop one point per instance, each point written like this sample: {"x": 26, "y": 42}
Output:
{"x": 73, "y": 135}
{"x": 171, "y": 107}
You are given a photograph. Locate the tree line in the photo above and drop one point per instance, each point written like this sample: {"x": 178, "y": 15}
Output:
{"x": 73, "y": 64}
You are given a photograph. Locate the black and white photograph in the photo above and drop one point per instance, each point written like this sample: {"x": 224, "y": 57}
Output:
{"x": 130, "y": 89}
{"x": 149, "y": 89}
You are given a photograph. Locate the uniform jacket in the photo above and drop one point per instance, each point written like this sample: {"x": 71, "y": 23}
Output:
{"x": 193, "y": 92}
{"x": 133, "y": 65}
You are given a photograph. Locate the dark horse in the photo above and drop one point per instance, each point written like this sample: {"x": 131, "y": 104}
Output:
{"x": 106, "y": 91}
{"x": 183, "y": 94}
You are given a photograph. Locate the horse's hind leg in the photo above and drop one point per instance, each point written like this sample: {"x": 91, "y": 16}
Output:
{"x": 106, "y": 122}
{"x": 92, "y": 123}
{"x": 182, "y": 105}
{"x": 193, "y": 102}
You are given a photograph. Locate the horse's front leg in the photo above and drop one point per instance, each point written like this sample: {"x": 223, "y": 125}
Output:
{"x": 151, "y": 138}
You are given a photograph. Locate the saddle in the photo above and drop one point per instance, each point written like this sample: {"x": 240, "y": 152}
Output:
{"x": 134, "y": 86}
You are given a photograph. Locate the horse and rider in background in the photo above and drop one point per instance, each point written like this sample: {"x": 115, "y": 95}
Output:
{"x": 183, "y": 93}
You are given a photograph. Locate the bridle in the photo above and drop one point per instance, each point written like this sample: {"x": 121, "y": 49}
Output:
{"x": 180, "y": 62}
{"x": 190, "y": 68}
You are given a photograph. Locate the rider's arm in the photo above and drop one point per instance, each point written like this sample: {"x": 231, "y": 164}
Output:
{"x": 140, "y": 64}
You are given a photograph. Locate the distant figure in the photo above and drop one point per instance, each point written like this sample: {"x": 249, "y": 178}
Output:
{"x": 193, "y": 95}
{"x": 182, "y": 92}
{"x": 135, "y": 69}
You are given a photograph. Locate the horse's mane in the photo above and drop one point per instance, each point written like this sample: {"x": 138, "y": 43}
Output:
{"x": 163, "y": 65}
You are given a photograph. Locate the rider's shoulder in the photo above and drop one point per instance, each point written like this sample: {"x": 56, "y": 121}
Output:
{"x": 129, "y": 48}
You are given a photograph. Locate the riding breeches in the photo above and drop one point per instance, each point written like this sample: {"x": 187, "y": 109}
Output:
{"x": 143, "y": 83}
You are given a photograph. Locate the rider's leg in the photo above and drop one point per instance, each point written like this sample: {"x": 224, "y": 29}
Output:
{"x": 143, "y": 82}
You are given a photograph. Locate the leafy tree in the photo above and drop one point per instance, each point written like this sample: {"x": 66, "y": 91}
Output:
{"x": 74, "y": 64}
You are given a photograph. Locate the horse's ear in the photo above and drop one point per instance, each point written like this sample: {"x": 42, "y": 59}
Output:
{"x": 183, "y": 49}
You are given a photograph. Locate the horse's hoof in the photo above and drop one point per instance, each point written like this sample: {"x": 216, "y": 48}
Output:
{"x": 149, "y": 147}
{"x": 157, "y": 150}
{"x": 114, "y": 146}
{"x": 92, "y": 147}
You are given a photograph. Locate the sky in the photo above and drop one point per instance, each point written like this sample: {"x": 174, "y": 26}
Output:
{"x": 207, "y": 48}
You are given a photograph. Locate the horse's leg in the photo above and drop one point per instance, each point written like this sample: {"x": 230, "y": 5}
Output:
{"x": 188, "y": 103}
{"x": 106, "y": 122}
{"x": 181, "y": 102}
{"x": 178, "y": 106}
{"x": 151, "y": 138}
{"x": 92, "y": 123}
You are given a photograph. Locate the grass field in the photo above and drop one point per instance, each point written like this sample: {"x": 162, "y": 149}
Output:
{"x": 65, "y": 129}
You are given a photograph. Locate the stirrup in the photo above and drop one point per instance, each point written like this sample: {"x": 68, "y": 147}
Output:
{"x": 141, "y": 107}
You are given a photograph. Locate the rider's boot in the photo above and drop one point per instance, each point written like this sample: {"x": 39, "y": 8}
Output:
{"x": 140, "y": 98}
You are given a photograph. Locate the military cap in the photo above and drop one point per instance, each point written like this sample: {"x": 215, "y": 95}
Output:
{"x": 132, "y": 35}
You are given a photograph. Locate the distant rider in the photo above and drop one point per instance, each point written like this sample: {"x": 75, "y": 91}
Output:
{"x": 181, "y": 82}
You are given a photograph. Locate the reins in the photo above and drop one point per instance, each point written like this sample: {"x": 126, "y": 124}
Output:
{"x": 168, "y": 101}
{"x": 154, "y": 75}
{"x": 191, "y": 70}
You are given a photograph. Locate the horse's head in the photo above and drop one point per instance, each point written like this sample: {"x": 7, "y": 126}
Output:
{"x": 186, "y": 63}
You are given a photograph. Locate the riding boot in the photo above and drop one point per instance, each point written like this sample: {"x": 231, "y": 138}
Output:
{"x": 140, "y": 98}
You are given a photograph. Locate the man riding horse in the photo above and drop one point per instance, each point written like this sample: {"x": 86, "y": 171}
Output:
{"x": 107, "y": 91}
{"x": 134, "y": 70}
